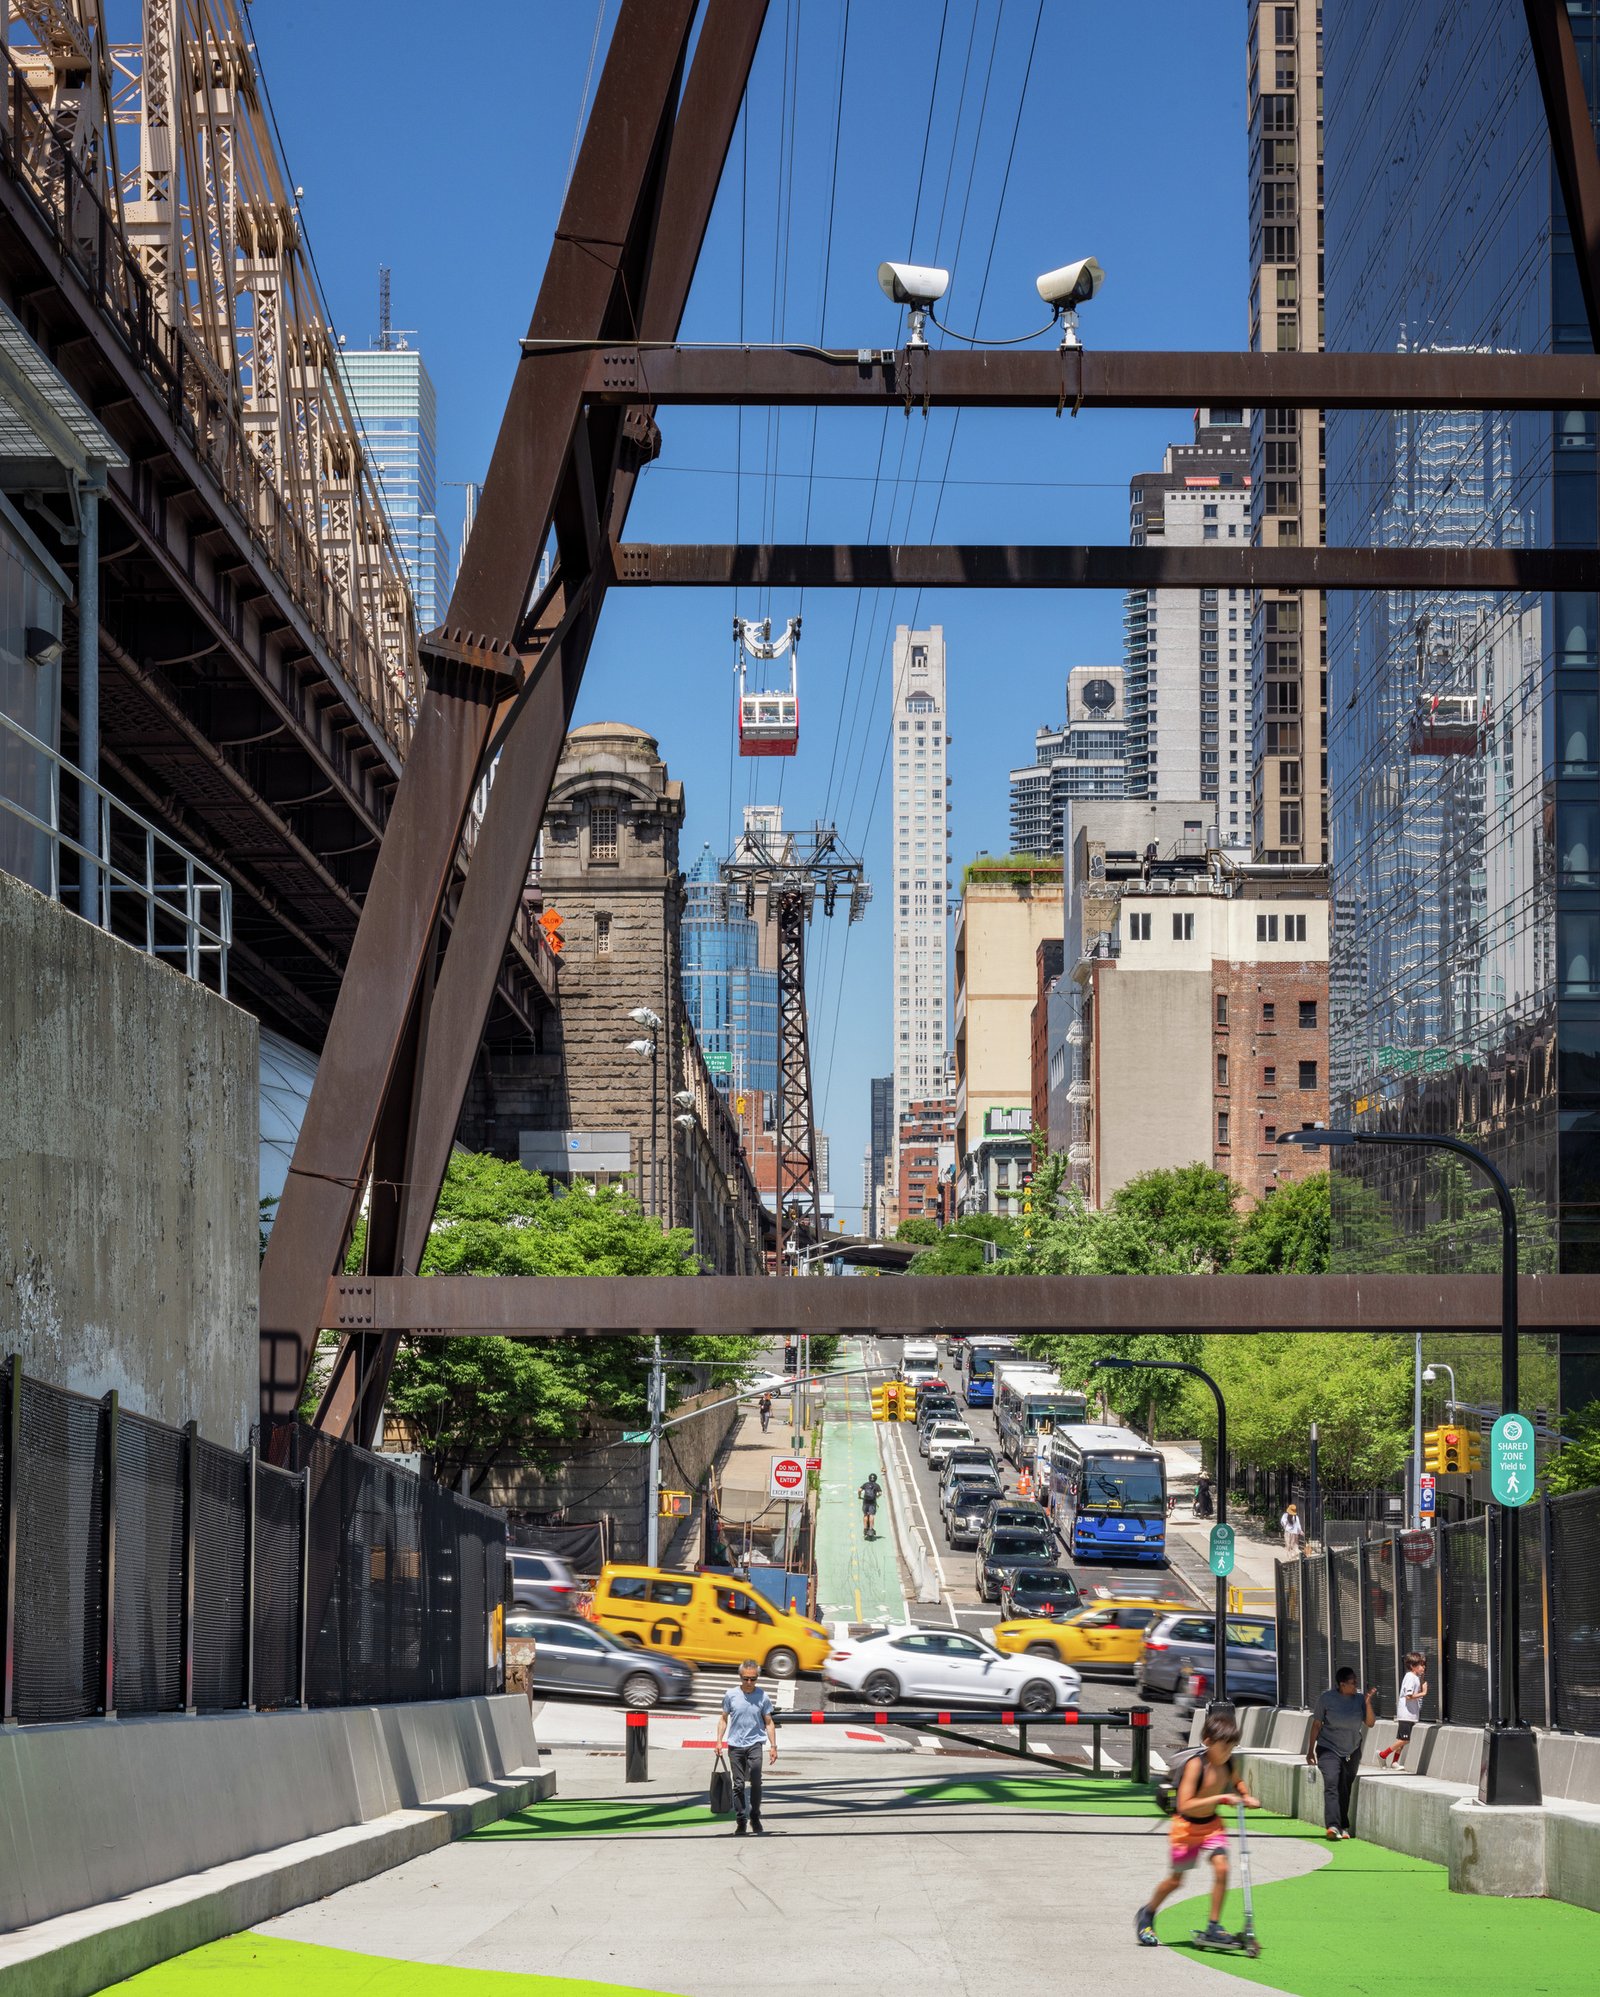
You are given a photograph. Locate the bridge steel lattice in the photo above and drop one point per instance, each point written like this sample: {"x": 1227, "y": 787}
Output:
{"x": 598, "y": 362}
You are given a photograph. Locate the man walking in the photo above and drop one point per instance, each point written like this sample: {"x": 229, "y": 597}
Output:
{"x": 1338, "y": 1727}
{"x": 746, "y": 1719}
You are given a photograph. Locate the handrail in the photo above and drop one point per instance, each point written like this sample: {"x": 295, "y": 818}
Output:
{"x": 177, "y": 909}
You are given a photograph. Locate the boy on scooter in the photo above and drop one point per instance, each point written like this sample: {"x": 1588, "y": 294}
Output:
{"x": 1206, "y": 1784}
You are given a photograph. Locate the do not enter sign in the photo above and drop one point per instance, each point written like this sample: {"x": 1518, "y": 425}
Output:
{"x": 788, "y": 1476}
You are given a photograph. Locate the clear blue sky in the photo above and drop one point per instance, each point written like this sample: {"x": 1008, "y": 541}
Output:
{"x": 439, "y": 145}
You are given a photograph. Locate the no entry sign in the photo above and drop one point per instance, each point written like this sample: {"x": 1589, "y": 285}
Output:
{"x": 788, "y": 1476}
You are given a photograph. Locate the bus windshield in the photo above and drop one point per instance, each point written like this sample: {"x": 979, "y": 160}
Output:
{"x": 1051, "y": 1413}
{"x": 1131, "y": 1485}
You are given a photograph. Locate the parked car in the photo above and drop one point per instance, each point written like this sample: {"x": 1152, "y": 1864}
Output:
{"x": 1001, "y": 1554}
{"x": 574, "y": 1656}
{"x": 1038, "y": 1591}
{"x": 1104, "y": 1636}
{"x": 542, "y": 1581}
{"x": 941, "y": 1438}
{"x": 1178, "y": 1644}
{"x": 1025, "y": 1514}
{"x": 955, "y": 1668}
{"x": 966, "y": 1505}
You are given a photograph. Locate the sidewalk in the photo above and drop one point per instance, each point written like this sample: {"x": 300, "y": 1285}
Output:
{"x": 858, "y": 1580}
{"x": 1255, "y": 1559}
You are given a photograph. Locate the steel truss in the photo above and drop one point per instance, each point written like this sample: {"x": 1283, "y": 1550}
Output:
{"x": 578, "y": 427}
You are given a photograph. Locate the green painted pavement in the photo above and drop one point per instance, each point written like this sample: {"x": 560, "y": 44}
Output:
{"x": 858, "y": 1580}
{"x": 591, "y": 1816}
{"x": 265, "y": 1966}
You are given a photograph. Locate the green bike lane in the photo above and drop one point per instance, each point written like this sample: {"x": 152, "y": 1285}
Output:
{"x": 858, "y": 1579}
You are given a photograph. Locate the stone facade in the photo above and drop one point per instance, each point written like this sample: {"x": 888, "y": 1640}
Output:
{"x": 610, "y": 870}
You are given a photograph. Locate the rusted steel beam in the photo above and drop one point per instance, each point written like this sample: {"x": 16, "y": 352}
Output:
{"x": 1080, "y": 378}
{"x": 1213, "y": 565}
{"x": 1567, "y": 113}
{"x": 541, "y": 1305}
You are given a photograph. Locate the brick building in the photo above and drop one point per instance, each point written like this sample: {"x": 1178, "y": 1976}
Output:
{"x": 927, "y": 1152}
{"x": 583, "y": 1100}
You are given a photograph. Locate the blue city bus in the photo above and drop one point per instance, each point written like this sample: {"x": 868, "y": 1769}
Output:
{"x": 979, "y": 1358}
{"x": 1108, "y": 1494}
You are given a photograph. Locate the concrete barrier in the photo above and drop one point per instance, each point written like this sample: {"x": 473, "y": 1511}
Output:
{"x": 125, "y": 1841}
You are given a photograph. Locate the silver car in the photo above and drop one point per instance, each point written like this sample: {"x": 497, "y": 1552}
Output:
{"x": 541, "y": 1581}
{"x": 570, "y": 1655}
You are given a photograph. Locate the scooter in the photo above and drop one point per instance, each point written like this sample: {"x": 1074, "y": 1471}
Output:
{"x": 1245, "y": 1942}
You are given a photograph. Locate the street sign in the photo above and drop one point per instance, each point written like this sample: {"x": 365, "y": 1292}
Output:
{"x": 788, "y": 1476}
{"x": 636, "y": 1435}
{"x": 1511, "y": 1460}
{"x": 1426, "y": 1492}
{"x": 1417, "y": 1547}
{"x": 1222, "y": 1551}
{"x": 719, "y": 1064}
{"x": 813, "y": 1462}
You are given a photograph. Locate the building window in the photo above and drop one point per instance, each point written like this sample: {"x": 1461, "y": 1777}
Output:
{"x": 1139, "y": 928}
{"x": 1269, "y": 1076}
{"x": 1266, "y": 929}
{"x": 1269, "y": 1013}
{"x": 1222, "y": 1008}
{"x": 602, "y": 832}
{"x": 1269, "y": 1133}
{"x": 602, "y": 934}
{"x": 1222, "y": 1130}
{"x": 1183, "y": 928}
{"x": 1308, "y": 1074}
{"x": 1222, "y": 1071}
{"x": 1308, "y": 1014}
{"x": 1294, "y": 929}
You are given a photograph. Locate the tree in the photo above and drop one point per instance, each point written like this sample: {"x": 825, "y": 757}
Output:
{"x": 1153, "y": 1396}
{"x": 472, "y": 1400}
{"x": 1577, "y": 1466}
{"x": 958, "y": 1249}
{"x": 921, "y": 1230}
{"x": 1356, "y": 1386}
{"x": 1289, "y": 1235}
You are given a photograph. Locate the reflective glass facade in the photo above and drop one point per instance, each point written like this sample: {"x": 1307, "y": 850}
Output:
{"x": 732, "y": 1001}
{"x": 1464, "y": 752}
{"x": 393, "y": 396}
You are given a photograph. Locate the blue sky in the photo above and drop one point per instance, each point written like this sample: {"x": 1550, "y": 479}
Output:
{"x": 440, "y": 144}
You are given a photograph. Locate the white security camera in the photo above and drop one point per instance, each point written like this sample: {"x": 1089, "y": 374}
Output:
{"x": 1074, "y": 284}
{"x": 916, "y": 285}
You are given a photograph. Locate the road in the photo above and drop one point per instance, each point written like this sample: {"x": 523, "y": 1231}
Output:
{"x": 961, "y": 1605}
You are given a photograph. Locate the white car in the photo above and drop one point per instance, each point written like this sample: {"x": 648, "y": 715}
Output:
{"x": 921, "y": 1376}
{"x": 948, "y": 1667}
{"x": 945, "y": 1436}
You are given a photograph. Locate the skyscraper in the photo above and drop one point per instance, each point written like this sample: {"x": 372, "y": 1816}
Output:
{"x": 1288, "y": 633}
{"x": 921, "y": 858}
{"x": 392, "y": 392}
{"x": 1188, "y": 670}
{"x": 732, "y": 999}
{"x": 1087, "y": 756}
{"x": 880, "y": 1150}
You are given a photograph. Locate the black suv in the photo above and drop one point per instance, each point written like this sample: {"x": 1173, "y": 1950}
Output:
{"x": 1038, "y": 1591}
{"x": 966, "y": 1509}
{"x": 937, "y": 1404}
{"x": 1005, "y": 1552}
{"x": 1018, "y": 1514}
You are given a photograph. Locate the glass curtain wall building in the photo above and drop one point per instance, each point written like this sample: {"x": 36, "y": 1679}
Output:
{"x": 393, "y": 395}
{"x": 732, "y": 1001}
{"x": 1464, "y": 752}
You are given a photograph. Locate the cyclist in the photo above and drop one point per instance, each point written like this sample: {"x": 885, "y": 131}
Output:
{"x": 766, "y": 1411}
{"x": 868, "y": 1495}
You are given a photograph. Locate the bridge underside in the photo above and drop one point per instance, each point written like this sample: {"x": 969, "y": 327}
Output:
{"x": 531, "y": 1306}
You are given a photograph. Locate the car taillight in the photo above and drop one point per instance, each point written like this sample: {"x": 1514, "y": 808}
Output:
{"x": 839, "y": 1657}
{"x": 1199, "y": 1684}
{"x": 1156, "y": 1643}
{"x": 559, "y": 1588}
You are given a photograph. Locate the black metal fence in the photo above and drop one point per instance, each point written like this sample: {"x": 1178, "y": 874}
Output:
{"x": 1438, "y": 1593}
{"x": 146, "y": 1570}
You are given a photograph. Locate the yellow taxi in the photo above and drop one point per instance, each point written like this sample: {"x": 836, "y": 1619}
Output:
{"x": 1104, "y": 1635}
{"x": 706, "y": 1619}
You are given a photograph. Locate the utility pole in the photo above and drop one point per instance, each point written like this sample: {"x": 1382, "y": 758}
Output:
{"x": 1414, "y": 1493}
{"x": 653, "y": 1523}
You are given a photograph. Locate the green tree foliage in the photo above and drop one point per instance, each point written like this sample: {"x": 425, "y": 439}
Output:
{"x": 958, "y": 1250}
{"x": 1154, "y": 1399}
{"x": 920, "y": 1230}
{"x": 474, "y": 1399}
{"x": 1577, "y": 1466}
{"x": 1356, "y": 1386}
{"x": 1290, "y": 1234}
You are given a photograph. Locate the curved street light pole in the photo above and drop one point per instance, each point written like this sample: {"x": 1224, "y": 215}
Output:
{"x": 1510, "y": 1772}
{"x": 1219, "y": 1695}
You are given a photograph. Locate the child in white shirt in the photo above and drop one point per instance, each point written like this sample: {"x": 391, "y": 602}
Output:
{"x": 1413, "y": 1690}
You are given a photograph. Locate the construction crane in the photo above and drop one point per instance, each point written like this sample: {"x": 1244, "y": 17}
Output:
{"x": 791, "y": 871}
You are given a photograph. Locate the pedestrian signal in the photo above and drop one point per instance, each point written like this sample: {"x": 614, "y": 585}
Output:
{"x": 1433, "y": 1451}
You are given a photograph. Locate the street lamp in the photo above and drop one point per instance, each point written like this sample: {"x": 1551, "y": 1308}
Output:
{"x": 1511, "y": 1758}
{"x": 1430, "y": 1374}
{"x": 991, "y": 1249}
{"x": 641, "y": 1015}
{"x": 1220, "y": 1645}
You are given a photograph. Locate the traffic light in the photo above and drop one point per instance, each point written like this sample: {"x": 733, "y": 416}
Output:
{"x": 1473, "y": 1461}
{"x": 1433, "y": 1451}
{"x": 1453, "y": 1450}
{"x": 880, "y": 1403}
{"x": 908, "y": 1403}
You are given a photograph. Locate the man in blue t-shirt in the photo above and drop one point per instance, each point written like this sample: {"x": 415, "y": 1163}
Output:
{"x": 745, "y": 1720}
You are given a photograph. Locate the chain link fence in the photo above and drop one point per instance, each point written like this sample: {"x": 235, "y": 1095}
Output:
{"x": 1438, "y": 1593}
{"x": 144, "y": 1569}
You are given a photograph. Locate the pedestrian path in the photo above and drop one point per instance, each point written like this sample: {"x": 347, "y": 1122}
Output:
{"x": 858, "y": 1579}
{"x": 595, "y": 1723}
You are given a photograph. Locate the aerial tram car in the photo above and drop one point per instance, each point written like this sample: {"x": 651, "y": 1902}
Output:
{"x": 769, "y": 718}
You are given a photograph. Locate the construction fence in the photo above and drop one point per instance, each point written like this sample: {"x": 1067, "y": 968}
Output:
{"x": 1438, "y": 1593}
{"x": 144, "y": 1569}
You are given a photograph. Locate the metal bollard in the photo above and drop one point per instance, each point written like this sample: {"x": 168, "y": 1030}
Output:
{"x": 637, "y": 1768}
{"x": 1139, "y": 1721}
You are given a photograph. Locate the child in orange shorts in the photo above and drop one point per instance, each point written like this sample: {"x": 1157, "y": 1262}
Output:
{"x": 1206, "y": 1785}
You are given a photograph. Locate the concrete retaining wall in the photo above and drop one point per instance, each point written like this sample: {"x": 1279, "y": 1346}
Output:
{"x": 128, "y": 1137}
{"x": 100, "y": 1809}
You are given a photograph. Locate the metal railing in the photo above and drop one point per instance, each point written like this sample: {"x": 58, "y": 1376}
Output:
{"x": 119, "y": 871}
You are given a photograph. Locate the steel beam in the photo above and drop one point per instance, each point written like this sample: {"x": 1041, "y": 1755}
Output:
{"x": 1076, "y": 378}
{"x": 1571, "y": 123}
{"x": 541, "y": 1305}
{"x": 1213, "y": 565}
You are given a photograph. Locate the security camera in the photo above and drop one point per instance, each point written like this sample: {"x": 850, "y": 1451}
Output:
{"x": 1074, "y": 284}
{"x": 916, "y": 285}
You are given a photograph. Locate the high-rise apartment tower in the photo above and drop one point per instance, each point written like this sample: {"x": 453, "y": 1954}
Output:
{"x": 921, "y": 861}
